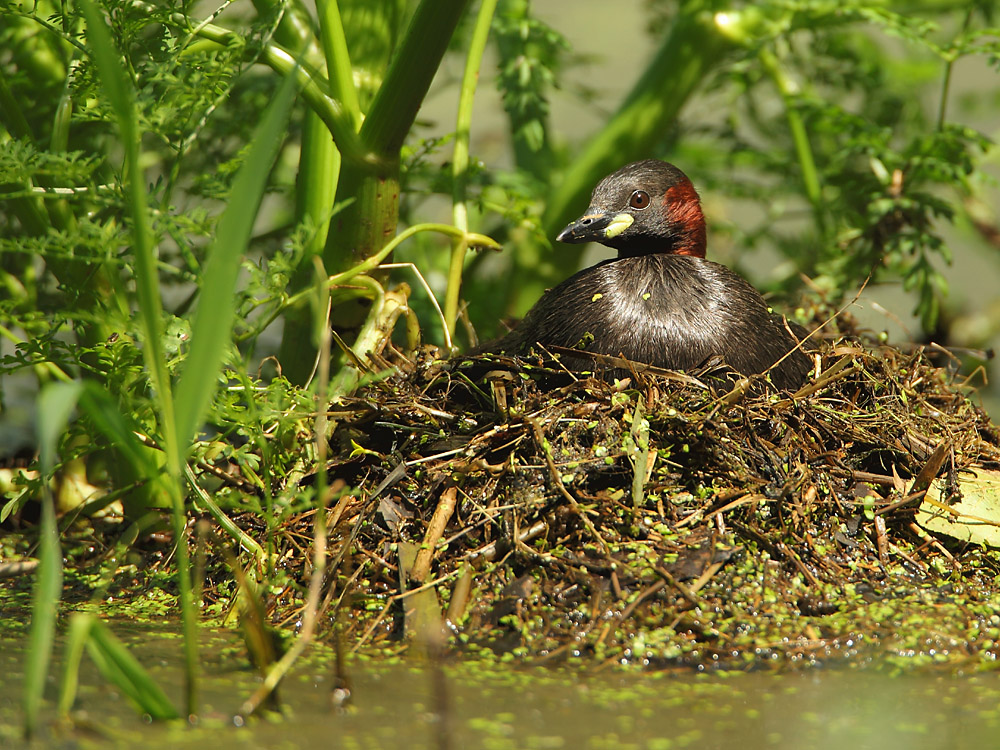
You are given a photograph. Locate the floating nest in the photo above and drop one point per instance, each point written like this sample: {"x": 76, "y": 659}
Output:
{"x": 660, "y": 520}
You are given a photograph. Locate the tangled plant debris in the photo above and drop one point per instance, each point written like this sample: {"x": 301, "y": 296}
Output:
{"x": 655, "y": 520}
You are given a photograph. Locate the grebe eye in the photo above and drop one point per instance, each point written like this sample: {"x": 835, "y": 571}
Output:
{"x": 639, "y": 199}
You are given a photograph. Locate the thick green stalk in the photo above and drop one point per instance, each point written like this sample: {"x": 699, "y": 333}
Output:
{"x": 365, "y": 226}
{"x": 319, "y": 162}
{"x": 410, "y": 74}
{"x": 315, "y": 189}
{"x": 370, "y": 220}
{"x": 372, "y": 184}
{"x": 339, "y": 70}
{"x": 316, "y": 183}
{"x": 460, "y": 158}
{"x": 331, "y": 111}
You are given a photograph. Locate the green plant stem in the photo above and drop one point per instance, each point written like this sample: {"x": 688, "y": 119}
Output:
{"x": 410, "y": 74}
{"x": 460, "y": 158}
{"x": 339, "y": 71}
{"x": 365, "y": 224}
{"x": 472, "y": 239}
{"x": 316, "y": 184}
{"x": 119, "y": 92}
{"x": 312, "y": 86}
{"x": 378, "y": 326}
{"x": 315, "y": 191}
{"x": 361, "y": 229}
{"x": 948, "y": 66}
{"x": 364, "y": 342}
{"x": 225, "y": 522}
{"x": 803, "y": 150}
{"x": 319, "y": 172}
{"x": 640, "y": 461}
{"x": 43, "y": 369}
{"x": 336, "y": 117}
{"x": 313, "y": 598}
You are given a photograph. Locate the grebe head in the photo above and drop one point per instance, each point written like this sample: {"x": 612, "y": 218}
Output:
{"x": 645, "y": 207}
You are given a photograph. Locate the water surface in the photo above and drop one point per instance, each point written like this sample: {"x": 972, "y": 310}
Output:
{"x": 495, "y": 705}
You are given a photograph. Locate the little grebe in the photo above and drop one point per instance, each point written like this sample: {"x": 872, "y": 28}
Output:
{"x": 659, "y": 302}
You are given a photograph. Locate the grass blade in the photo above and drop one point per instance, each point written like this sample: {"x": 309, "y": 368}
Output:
{"x": 103, "y": 410}
{"x": 76, "y": 639}
{"x": 118, "y": 665}
{"x": 120, "y": 92}
{"x": 460, "y": 158}
{"x": 55, "y": 404}
{"x": 213, "y": 321}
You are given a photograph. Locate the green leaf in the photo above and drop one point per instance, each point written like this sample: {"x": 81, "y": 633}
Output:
{"x": 974, "y": 518}
{"x": 77, "y": 634}
{"x": 213, "y": 321}
{"x": 118, "y": 665}
{"x": 103, "y": 410}
{"x": 119, "y": 91}
{"x": 55, "y": 404}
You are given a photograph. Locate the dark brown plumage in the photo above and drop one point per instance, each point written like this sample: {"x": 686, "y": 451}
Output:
{"x": 659, "y": 302}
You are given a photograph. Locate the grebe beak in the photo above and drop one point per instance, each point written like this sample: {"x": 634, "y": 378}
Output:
{"x": 595, "y": 226}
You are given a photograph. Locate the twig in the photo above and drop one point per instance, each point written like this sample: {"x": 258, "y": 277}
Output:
{"x": 546, "y": 449}
{"x": 434, "y": 303}
{"x": 309, "y": 617}
{"x": 442, "y": 514}
{"x": 399, "y": 597}
{"x": 681, "y": 588}
{"x": 489, "y": 552}
{"x": 825, "y": 323}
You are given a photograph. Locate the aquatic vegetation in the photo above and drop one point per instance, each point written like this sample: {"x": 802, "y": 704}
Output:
{"x": 221, "y": 283}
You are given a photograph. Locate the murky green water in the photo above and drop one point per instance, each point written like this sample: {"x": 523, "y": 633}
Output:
{"x": 497, "y": 706}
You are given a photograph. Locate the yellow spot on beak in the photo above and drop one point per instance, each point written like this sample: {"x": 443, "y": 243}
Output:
{"x": 618, "y": 225}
